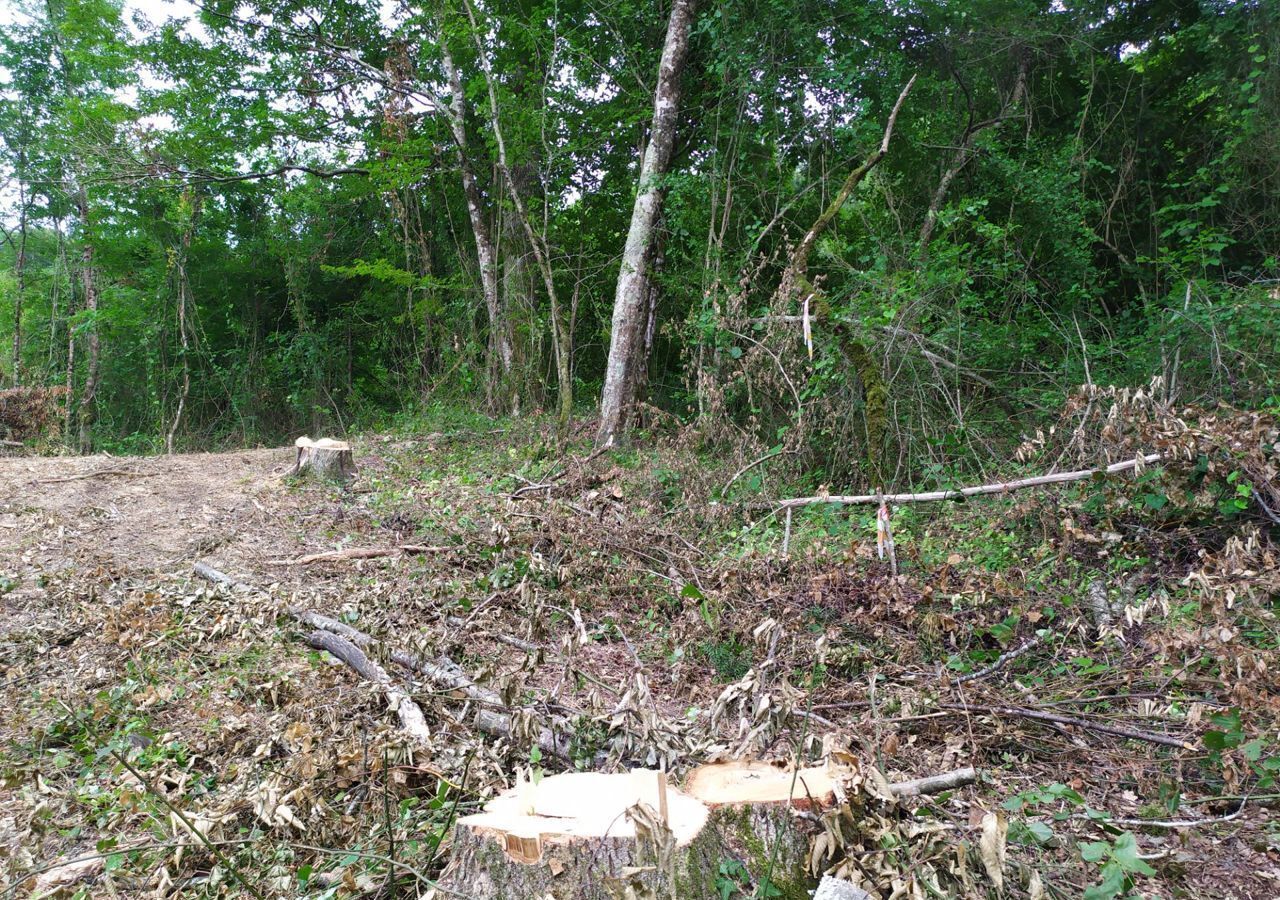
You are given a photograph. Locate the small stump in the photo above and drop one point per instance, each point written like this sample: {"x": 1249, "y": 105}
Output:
{"x": 325, "y": 458}
{"x": 599, "y": 836}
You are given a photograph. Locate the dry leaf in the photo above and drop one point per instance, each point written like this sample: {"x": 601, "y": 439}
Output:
{"x": 995, "y": 830}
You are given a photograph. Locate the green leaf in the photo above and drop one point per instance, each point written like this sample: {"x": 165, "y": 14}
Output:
{"x": 1125, "y": 854}
{"x": 1094, "y": 851}
{"x": 1111, "y": 886}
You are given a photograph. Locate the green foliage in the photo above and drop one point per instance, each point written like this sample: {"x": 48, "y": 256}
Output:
{"x": 1137, "y": 162}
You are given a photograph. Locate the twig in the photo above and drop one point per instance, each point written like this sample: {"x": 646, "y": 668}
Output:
{"x": 1150, "y": 737}
{"x": 1002, "y": 660}
{"x": 1178, "y": 823}
{"x": 748, "y": 467}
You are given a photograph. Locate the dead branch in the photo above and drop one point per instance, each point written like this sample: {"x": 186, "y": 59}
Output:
{"x": 1174, "y": 824}
{"x": 209, "y": 573}
{"x": 978, "y": 490}
{"x": 1151, "y": 737}
{"x": 101, "y": 473}
{"x": 411, "y": 717}
{"x": 361, "y": 553}
{"x": 935, "y": 784}
{"x": 748, "y": 467}
{"x": 492, "y": 718}
{"x": 1002, "y": 660}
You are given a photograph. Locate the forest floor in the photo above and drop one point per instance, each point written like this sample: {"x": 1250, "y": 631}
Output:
{"x": 142, "y": 704}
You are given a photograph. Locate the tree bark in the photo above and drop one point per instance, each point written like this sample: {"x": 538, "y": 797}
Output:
{"x": 486, "y": 249}
{"x": 626, "y": 342}
{"x": 89, "y": 398}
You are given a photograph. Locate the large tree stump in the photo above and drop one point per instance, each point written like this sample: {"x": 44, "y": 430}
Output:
{"x": 598, "y": 837}
{"x": 325, "y": 458}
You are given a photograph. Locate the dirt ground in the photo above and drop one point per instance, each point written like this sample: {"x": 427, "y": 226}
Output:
{"x": 100, "y": 613}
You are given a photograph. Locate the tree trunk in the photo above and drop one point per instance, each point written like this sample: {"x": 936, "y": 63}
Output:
{"x": 325, "y": 458}
{"x": 89, "y": 398}
{"x": 184, "y": 298}
{"x": 595, "y": 836}
{"x": 963, "y": 154}
{"x": 486, "y": 249}
{"x": 20, "y": 267}
{"x": 626, "y": 342}
{"x": 561, "y": 337}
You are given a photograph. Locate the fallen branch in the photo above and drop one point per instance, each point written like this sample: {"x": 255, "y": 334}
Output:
{"x": 1001, "y": 661}
{"x": 978, "y": 490}
{"x": 1174, "y": 824}
{"x": 411, "y": 717}
{"x": 935, "y": 784}
{"x": 748, "y": 467}
{"x": 493, "y": 718}
{"x": 209, "y": 573}
{"x": 101, "y": 473}
{"x": 361, "y": 553}
{"x": 1150, "y": 737}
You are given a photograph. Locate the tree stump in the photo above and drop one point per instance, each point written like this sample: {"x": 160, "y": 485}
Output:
{"x": 601, "y": 836}
{"x": 325, "y": 458}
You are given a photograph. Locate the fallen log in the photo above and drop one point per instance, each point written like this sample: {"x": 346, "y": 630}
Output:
{"x": 599, "y": 836}
{"x": 326, "y": 458}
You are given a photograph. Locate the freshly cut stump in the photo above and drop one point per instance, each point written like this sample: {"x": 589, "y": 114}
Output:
{"x": 595, "y": 836}
{"x": 326, "y": 458}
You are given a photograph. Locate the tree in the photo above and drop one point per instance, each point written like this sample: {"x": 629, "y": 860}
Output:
{"x": 627, "y": 339}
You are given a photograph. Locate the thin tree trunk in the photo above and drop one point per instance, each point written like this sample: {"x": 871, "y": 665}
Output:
{"x": 795, "y": 283}
{"x": 963, "y": 154}
{"x": 562, "y": 339}
{"x": 20, "y": 267}
{"x": 626, "y": 342}
{"x": 486, "y": 249}
{"x": 184, "y": 298}
{"x": 89, "y": 398}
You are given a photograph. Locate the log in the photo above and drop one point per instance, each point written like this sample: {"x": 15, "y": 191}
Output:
{"x": 325, "y": 458}
{"x": 599, "y": 836}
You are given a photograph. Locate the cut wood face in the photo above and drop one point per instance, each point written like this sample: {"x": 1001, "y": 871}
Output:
{"x": 740, "y": 782}
{"x": 583, "y": 806}
{"x": 321, "y": 444}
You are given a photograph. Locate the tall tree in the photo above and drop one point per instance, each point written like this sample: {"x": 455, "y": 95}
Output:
{"x": 627, "y": 339}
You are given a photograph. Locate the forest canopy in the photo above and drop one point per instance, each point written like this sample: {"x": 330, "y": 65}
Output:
{"x": 227, "y": 223}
